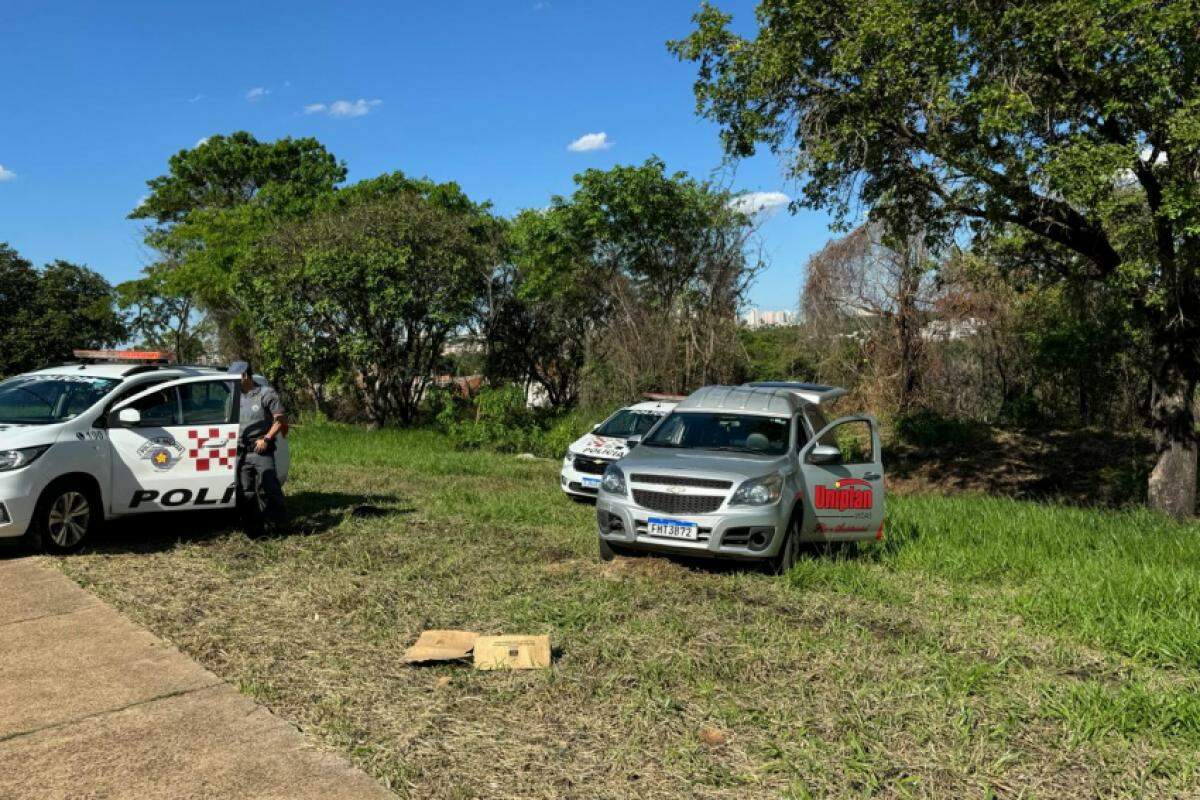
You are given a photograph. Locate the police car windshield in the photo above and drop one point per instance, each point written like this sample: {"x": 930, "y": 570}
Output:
{"x": 47, "y": 399}
{"x": 745, "y": 433}
{"x": 628, "y": 423}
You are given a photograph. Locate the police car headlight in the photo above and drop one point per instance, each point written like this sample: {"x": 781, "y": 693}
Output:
{"x": 613, "y": 481}
{"x": 15, "y": 459}
{"x": 568, "y": 459}
{"x": 759, "y": 491}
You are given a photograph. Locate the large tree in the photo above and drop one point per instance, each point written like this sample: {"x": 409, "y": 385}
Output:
{"x": 1076, "y": 122}
{"x": 373, "y": 284}
{"x": 644, "y": 271}
{"x": 214, "y": 202}
{"x": 46, "y": 314}
{"x": 19, "y": 300}
{"x": 163, "y": 319}
{"x": 537, "y": 328}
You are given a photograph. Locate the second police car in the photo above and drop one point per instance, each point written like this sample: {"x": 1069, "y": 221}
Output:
{"x": 81, "y": 443}
{"x": 586, "y": 459}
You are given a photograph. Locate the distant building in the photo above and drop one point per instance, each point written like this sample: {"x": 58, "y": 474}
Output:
{"x": 757, "y": 318}
{"x": 952, "y": 330}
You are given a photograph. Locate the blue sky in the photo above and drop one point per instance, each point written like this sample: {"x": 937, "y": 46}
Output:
{"x": 97, "y": 96}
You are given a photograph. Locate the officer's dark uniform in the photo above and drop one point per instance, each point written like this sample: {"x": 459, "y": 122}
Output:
{"x": 259, "y": 407}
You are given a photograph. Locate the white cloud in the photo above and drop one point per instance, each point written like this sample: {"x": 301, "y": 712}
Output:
{"x": 757, "y": 202}
{"x": 257, "y": 93}
{"x": 196, "y": 99}
{"x": 542, "y": 5}
{"x": 6, "y": 174}
{"x": 357, "y": 108}
{"x": 200, "y": 142}
{"x": 589, "y": 142}
{"x": 344, "y": 108}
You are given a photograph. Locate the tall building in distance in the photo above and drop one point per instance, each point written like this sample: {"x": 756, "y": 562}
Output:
{"x": 757, "y": 318}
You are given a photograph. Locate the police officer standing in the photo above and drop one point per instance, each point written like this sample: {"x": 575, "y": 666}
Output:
{"x": 261, "y": 420}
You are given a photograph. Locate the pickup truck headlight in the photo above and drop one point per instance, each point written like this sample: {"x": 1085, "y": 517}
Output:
{"x": 759, "y": 491}
{"x": 15, "y": 459}
{"x": 613, "y": 481}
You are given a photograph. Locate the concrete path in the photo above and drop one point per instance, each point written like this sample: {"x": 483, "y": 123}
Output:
{"x": 92, "y": 707}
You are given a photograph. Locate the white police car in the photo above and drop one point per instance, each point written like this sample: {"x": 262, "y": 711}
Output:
{"x": 82, "y": 443}
{"x": 583, "y": 465}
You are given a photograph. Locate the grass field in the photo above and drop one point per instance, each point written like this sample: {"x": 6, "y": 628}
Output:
{"x": 989, "y": 648}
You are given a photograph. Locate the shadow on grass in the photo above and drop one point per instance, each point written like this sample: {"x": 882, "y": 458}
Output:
{"x": 809, "y": 551}
{"x": 1089, "y": 467}
{"x": 309, "y": 513}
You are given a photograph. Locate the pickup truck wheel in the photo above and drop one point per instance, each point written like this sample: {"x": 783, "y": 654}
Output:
{"x": 609, "y": 551}
{"x": 66, "y": 516}
{"x": 789, "y": 551}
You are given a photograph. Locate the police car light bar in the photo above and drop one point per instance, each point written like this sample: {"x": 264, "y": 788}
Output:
{"x": 125, "y": 356}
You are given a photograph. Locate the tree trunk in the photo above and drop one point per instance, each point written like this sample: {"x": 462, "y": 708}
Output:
{"x": 1172, "y": 485}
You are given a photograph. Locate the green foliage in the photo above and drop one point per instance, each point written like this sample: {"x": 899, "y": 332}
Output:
{"x": 372, "y": 285}
{"x": 928, "y": 429}
{"x": 162, "y": 319}
{"x": 538, "y": 324}
{"x": 776, "y": 354}
{"x": 19, "y": 338}
{"x": 211, "y": 209}
{"x": 1076, "y": 122}
{"x": 229, "y": 171}
{"x": 498, "y": 419}
{"x": 638, "y": 274}
{"x": 46, "y": 314}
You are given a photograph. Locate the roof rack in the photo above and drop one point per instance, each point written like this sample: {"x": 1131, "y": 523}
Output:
{"x": 815, "y": 393}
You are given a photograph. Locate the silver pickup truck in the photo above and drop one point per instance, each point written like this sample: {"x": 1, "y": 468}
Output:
{"x": 746, "y": 472}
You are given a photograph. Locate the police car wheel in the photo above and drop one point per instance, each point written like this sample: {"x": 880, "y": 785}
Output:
{"x": 66, "y": 517}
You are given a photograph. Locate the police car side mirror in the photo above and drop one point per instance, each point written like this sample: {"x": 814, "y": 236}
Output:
{"x": 824, "y": 454}
{"x": 129, "y": 416}
{"x": 633, "y": 441}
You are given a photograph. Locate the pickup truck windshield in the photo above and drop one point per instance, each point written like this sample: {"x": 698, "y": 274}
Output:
{"x": 627, "y": 423}
{"x": 701, "y": 430}
{"x": 47, "y": 399}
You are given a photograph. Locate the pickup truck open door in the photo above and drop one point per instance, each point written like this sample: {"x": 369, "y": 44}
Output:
{"x": 842, "y": 466}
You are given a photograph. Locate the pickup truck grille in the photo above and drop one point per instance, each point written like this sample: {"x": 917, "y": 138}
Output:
{"x": 592, "y": 466}
{"x": 677, "y": 503}
{"x": 680, "y": 480}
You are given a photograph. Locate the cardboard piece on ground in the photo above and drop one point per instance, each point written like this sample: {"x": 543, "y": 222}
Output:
{"x": 440, "y": 646}
{"x": 512, "y": 652}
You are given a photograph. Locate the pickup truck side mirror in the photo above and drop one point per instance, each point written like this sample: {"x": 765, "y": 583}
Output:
{"x": 129, "y": 416}
{"x": 633, "y": 441}
{"x": 824, "y": 454}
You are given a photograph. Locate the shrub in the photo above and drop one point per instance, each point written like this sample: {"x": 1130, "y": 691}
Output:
{"x": 929, "y": 429}
{"x": 499, "y": 420}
